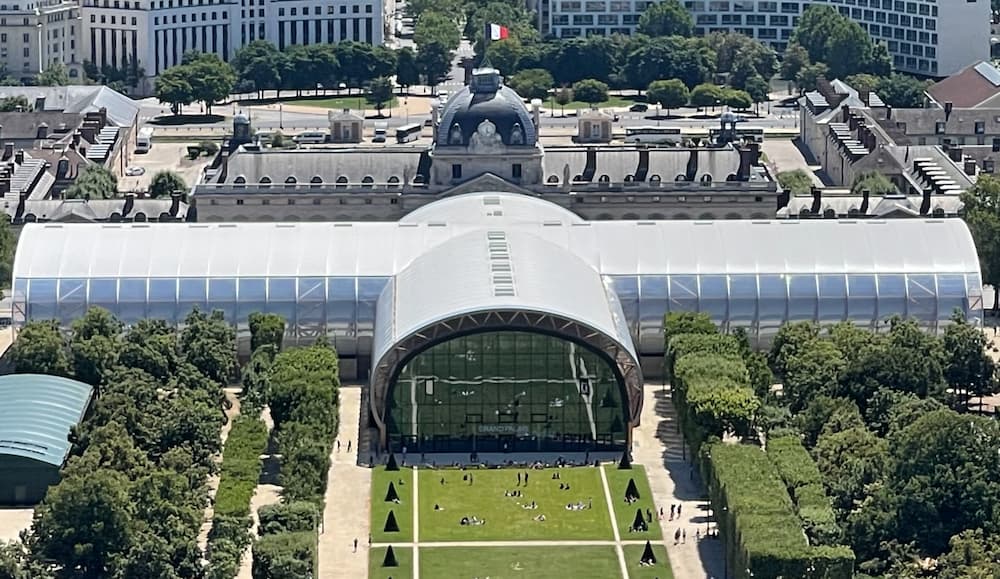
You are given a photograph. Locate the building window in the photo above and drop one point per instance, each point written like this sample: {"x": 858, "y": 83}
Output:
{"x": 939, "y": 128}
{"x": 239, "y": 202}
{"x": 291, "y": 201}
{"x": 317, "y": 201}
{"x": 265, "y": 202}
{"x": 980, "y": 127}
{"x": 456, "y": 171}
{"x": 515, "y": 170}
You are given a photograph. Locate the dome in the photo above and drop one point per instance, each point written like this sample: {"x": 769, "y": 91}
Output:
{"x": 486, "y": 112}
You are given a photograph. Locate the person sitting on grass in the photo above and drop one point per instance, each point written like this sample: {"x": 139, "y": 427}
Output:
{"x": 540, "y": 518}
{"x": 438, "y": 507}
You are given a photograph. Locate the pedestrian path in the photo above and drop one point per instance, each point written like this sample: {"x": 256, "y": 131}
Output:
{"x": 348, "y": 493}
{"x": 658, "y": 446}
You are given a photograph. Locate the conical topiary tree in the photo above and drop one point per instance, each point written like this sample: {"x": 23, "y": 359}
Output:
{"x": 648, "y": 557}
{"x": 391, "y": 463}
{"x": 631, "y": 491}
{"x": 391, "y": 526}
{"x": 639, "y": 523}
{"x": 390, "y": 558}
{"x": 625, "y": 463}
{"x": 391, "y": 496}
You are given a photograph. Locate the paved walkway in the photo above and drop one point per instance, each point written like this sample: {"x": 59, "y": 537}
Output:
{"x": 232, "y": 394}
{"x": 348, "y": 494}
{"x": 575, "y": 543}
{"x": 267, "y": 493}
{"x": 658, "y": 447}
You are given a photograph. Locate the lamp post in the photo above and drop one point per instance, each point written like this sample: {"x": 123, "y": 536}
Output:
{"x": 281, "y": 116}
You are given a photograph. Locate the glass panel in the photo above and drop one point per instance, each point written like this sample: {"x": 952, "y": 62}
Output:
{"x": 163, "y": 300}
{"x": 773, "y": 303}
{"x": 132, "y": 300}
{"x": 653, "y": 305}
{"x": 20, "y": 303}
{"x": 281, "y": 301}
{"x": 802, "y": 298}
{"x": 369, "y": 288}
{"x": 713, "y": 294}
{"x": 975, "y": 288}
{"x": 922, "y": 299}
{"x": 42, "y": 299}
{"x": 510, "y": 391}
{"x": 951, "y": 297}
{"x": 72, "y": 300}
{"x": 104, "y": 293}
{"x": 742, "y": 300}
{"x": 222, "y": 296}
{"x": 342, "y": 313}
{"x": 191, "y": 294}
{"x": 252, "y": 298}
{"x": 627, "y": 290}
{"x": 891, "y": 297}
{"x": 311, "y": 308}
{"x": 683, "y": 293}
{"x": 861, "y": 302}
{"x": 832, "y": 298}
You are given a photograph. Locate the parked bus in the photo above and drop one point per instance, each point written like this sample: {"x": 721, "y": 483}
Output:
{"x": 653, "y": 135}
{"x": 408, "y": 133}
{"x": 144, "y": 141}
{"x": 754, "y": 134}
{"x": 381, "y": 130}
{"x": 311, "y": 137}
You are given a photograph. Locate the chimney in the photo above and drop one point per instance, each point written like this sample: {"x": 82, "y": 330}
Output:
{"x": 104, "y": 117}
{"x": 175, "y": 203}
{"x": 19, "y": 157}
{"x": 749, "y": 156}
{"x": 784, "y": 196}
{"x": 817, "y": 205}
{"x": 88, "y": 133}
{"x": 969, "y": 166}
{"x": 76, "y": 140}
{"x": 925, "y": 205}
{"x": 1, "y": 131}
{"x": 865, "y": 196}
{"x": 43, "y": 130}
{"x": 129, "y": 204}
{"x": 19, "y": 212}
{"x": 40, "y": 103}
{"x": 888, "y": 112}
{"x": 4, "y": 182}
{"x": 8, "y": 151}
{"x": 62, "y": 168}
{"x": 947, "y": 110}
{"x": 955, "y": 154}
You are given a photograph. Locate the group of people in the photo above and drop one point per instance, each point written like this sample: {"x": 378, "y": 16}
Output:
{"x": 579, "y": 506}
{"x": 513, "y": 493}
{"x": 472, "y": 521}
{"x": 532, "y": 506}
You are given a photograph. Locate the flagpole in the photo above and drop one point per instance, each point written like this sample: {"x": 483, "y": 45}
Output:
{"x": 486, "y": 41}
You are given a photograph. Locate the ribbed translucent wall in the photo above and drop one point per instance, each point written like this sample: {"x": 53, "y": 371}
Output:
{"x": 343, "y": 308}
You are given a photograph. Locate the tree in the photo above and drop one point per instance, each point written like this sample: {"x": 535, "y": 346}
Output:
{"x": 794, "y": 60}
{"x": 902, "y": 90}
{"x": 304, "y": 67}
{"x": 173, "y": 86}
{"x": 758, "y": 89}
{"x": 666, "y": 18}
{"x": 798, "y": 181}
{"x": 7, "y": 245}
{"x": 876, "y": 183}
{"x": 971, "y": 555}
{"x": 14, "y": 104}
{"x": 814, "y": 29}
{"x": 208, "y": 342}
{"x": 94, "y": 182}
{"x": 504, "y": 55}
{"x": 863, "y": 82}
{"x": 808, "y": 77}
{"x": 967, "y": 368}
{"x": 596, "y": 57}
{"x": 532, "y": 83}
{"x": 648, "y": 59}
{"x": 514, "y": 15}
{"x": 436, "y": 63}
{"x": 261, "y": 63}
{"x": 737, "y": 99}
{"x": 850, "y": 461}
{"x": 677, "y": 323}
{"x": 266, "y": 329}
{"x": 790, "y": 340}
{"x": 706, "y": 95}
{"x": 590, "y": 91}
{"x": 55, "y": 74}
{"x": 813, "y": 370}
{"x": 166, "y": 182}
{"x": 379, "y": 93}
{"x": 85, "y": 524}
{"x": 95, "y": 345}
{"x": 982, "y": 215}
{"x": 40, "y": 349}
{"x": 407, "y": 68}
{"x": 669, "y": 94}
{"x": 564, "y": 96}
{"x": 211, "y": 78}
{"x": 914, "y": 360}
{"x": 436, "y": 28}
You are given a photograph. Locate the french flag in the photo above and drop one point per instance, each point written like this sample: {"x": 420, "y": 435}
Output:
{"x": 496, "y": 32}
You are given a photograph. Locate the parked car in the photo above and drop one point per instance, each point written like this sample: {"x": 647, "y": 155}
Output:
{"x": 638, "y": 108}
{"x": 311, "y": 137}
{"x": 135, "y": 171}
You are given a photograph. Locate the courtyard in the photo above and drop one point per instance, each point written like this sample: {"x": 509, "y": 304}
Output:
{"x": 514, "y": 522}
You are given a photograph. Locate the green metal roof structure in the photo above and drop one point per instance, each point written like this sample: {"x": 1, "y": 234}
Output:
{"x": 36, "y": 414}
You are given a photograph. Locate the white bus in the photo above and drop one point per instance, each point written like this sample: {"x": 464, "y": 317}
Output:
{"x": 408, "y": 133}
{"x": 653, "y": 135}
{"x": 144, "y": 141}
{"x": 311, "y": 137}
{"x": 381, "y": 130}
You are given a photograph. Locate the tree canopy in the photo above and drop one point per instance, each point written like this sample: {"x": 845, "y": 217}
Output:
{"x": 666, "y": 18}
{"x": 93, "y": 182}
{"x": 164, "y": 183}
{"x": 669, "y": 94}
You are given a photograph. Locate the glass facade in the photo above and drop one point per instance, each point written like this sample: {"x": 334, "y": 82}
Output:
{"x": 343, "y": 308}
{"x": 515, "y": 391}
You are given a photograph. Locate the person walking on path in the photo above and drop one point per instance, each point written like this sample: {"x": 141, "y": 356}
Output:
{"x": 348, "y": 446}
{"x": 678, "y": 504}
{"x": 677, "y": 536}
{"x": 684, "y": 536}
{"x": 355, "y": 545}
{"x": 338, "y": 445}
{"x": 525, "y": 479}
{"x": 518, "y": 479}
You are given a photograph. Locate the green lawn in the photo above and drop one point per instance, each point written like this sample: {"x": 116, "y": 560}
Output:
{"x": 625, "y": 513}
{"x": 633, "y": 553}
{"x": 505, "y": 517}
{"x": 338, "y": 103}
{"x": 612, "y": 102}
{"x": 404, "y": 556}
{"x": 520, "y": 563}
{"x": 380, "y": 509}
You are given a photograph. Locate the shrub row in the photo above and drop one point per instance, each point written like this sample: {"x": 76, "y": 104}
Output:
{"x": 805, "y": 484}
{"x": 285, "y": 555}
{"x": 763, "y": 535}
{"x": 230, "y": 534}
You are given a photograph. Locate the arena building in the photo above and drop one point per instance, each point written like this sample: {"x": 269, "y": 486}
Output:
{"x": 493, "y": 321}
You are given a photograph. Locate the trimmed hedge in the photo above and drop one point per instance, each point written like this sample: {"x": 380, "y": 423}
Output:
{"x": 285, "y": 555}
{"x": 757, "y": 518}
{"x": 230, "y": 534}
{"x": 292, "y": 517}
{"x": 683, "y": 344}
{"x": 805, "y": 484}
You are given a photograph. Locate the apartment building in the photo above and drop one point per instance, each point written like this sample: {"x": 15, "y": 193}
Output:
{"x": 934, "y": 38}
{"x": 157, "y": 33}
{"x": 36, "y": 33}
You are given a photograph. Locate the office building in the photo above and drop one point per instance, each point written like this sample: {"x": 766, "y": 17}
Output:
{"x": 36, "y": 33}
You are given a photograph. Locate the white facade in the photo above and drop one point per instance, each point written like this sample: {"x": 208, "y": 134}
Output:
{"x": 928, "y": 37}
{"x": 34, "y": 34}
{"x": 157, "y": 33}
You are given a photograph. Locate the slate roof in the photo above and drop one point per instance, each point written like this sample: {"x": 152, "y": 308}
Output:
{"x": 977, "y": 85}
{"x": 79, "y": 100}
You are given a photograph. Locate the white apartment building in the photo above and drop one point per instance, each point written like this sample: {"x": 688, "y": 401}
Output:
{"x": 35, "y": 33}
{"x": 928, "y": 37}
{"x": 157, "y": 33}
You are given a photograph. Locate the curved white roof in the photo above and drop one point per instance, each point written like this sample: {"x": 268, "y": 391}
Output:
{"x": 510, "y": 207}
{"x": 383, "y": 249}
{"x": 485, "y": 271}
